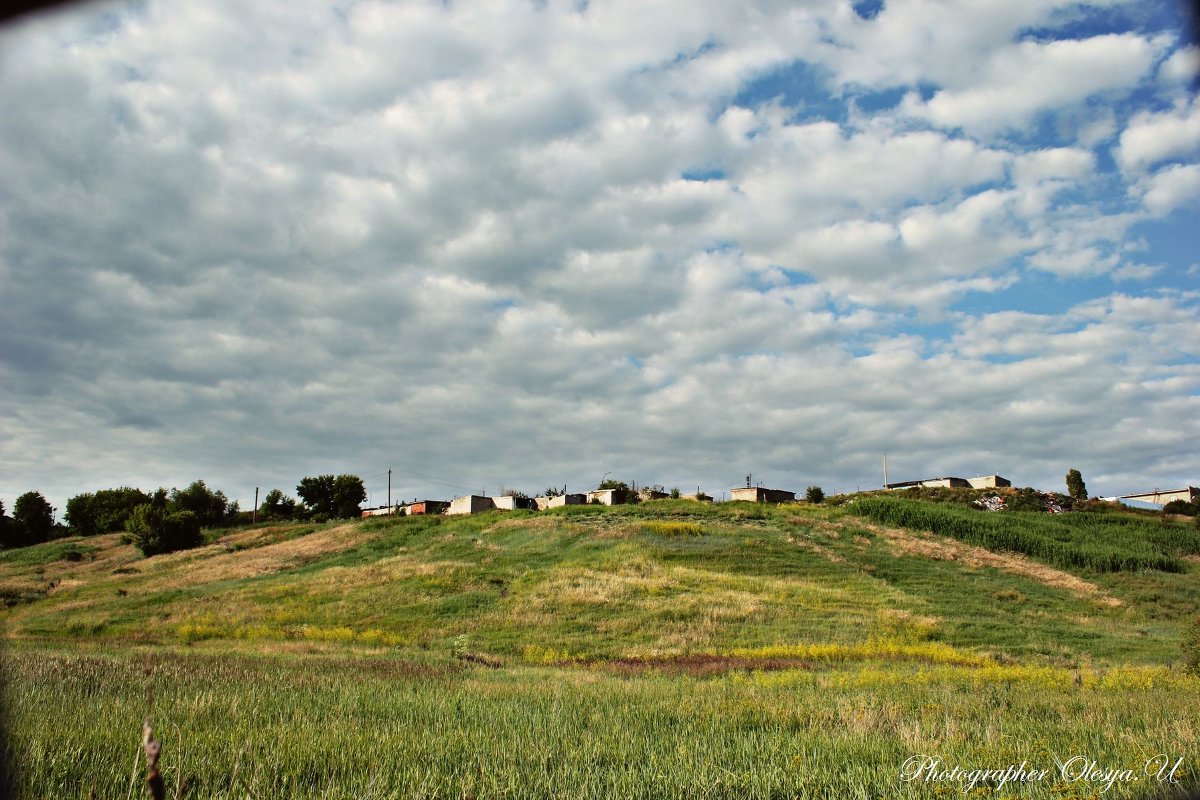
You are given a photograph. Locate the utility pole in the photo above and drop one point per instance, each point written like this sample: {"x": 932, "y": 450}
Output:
{"x": 254, "y": 514}
{"x": 389, "y": 489}
{"x": 885, "y": 470}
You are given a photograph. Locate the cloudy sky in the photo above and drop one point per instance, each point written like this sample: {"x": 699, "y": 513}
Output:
{"x": 511, "y": 244}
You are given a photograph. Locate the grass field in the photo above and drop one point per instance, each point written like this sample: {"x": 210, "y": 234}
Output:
{"x": 673, "y": 649}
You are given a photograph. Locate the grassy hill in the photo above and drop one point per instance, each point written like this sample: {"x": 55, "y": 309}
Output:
{"x": 643, "y": 651}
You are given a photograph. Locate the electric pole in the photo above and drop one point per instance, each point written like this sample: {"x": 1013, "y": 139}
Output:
{"x": 389, "y": 489}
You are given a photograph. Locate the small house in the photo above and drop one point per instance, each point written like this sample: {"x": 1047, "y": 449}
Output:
{"x": 427, "y": 507}
{"x": 608, "y": 497}
{"x": 757, "y": 494}
{"x": 470, "y": 504}
{"x": 560, "y": 500}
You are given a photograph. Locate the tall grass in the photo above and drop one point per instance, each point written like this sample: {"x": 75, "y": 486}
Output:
{"x": 381, "y": 728}
{"x": 1099, "y": 542}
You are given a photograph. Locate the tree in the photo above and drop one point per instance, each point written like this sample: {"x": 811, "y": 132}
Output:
{"x": 5, "y": 524}
{"x": 277, "y": 505}
{"x": 621, "y": 491}
{"x": 33, "y": 516}
{"x": 105, "y": 511}
{"x": 332, "y": 496}
{"x": 155, "y": 530}
{"x": 554, "y": 491}
{"x": 814, "y": 494}
{"x": 1076, "y": 488}
{"x": 210, "y": 507}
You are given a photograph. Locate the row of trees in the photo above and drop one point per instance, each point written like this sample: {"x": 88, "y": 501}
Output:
{"x": 109, "y": 510}
{"x": 166, "y": 520}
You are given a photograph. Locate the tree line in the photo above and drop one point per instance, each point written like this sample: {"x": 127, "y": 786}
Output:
{"x": 166, "y": 520}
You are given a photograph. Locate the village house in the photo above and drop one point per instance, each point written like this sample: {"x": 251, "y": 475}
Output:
{"x": 982, "y": 482}
{"x": 1160, "y": 497}
{"x": 560, "y": 500}
{"x": 757, "y": 494}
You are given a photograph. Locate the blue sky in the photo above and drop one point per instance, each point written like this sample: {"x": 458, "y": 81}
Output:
{"x": 511, "y": 244}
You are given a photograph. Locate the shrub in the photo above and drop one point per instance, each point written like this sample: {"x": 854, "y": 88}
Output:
{"x": 1191, "y": 648}
{"x": 1026, "y": 499}
{"x": 154, "y": 530}
{"x": 1181, "y": 507}
{"x": 814, "y": 494}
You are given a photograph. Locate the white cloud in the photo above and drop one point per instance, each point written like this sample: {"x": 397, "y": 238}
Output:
{"x": 1171, "y": 187}
{"x": 1028, "y": 77}
{"x": 281, "y": 240}
{"x": 1069, "y": 163}
{"x": 1150, "y": 138}
{"x": 1182, "y": 67}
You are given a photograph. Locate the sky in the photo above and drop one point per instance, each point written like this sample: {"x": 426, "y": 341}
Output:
{"x": 513, "y": 244}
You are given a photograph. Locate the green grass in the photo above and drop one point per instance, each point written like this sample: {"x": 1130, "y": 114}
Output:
{"x": 379, "y": 726}
{"x": 662, "y": 650}
{"x": 1096, "y": 542}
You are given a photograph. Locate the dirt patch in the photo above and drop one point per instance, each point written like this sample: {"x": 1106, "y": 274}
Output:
{"x": 700, "y": 664}
{"x": 904, "y": 542}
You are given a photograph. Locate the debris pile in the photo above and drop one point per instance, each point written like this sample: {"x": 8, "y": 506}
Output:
{"x": 992, "y": 502}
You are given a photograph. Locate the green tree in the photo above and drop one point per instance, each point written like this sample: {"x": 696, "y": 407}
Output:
{"x": 332, "y": 496}
{"x": 211, "y": 508}
{"x": 5, "y": 524}
{"x": 103, "y": 512}
{"x": 277, "y": 505}
{"x": 621, "y": 491}
{"x": 1076, "y": 488}
{"x": 34, "y": 517}
{"x": 156, "y": 531}
{"x": 814, "y": 494}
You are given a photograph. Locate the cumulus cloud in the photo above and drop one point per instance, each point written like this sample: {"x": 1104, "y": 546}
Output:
{"x": 518, "y": 244}
{"x": 1171, "y": 187}
{"x": 1150, "y": 138}
{"x": 1028, "y": 77}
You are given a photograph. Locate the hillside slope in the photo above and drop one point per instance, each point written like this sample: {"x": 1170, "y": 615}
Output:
{"x": 659, "y": 581}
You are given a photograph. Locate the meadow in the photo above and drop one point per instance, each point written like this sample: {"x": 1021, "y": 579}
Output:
{"x": 672, "y": 649}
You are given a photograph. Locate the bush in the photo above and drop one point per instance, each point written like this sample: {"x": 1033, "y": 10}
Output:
{"x": 814, "y": 494}
{"x": 1026, "y": 499}
{"x": 1182, "y": 507}
{"x": 154, "y": 530}
{"x": 1191, "y": 648}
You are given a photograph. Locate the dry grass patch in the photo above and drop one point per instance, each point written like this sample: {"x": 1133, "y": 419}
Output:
{"x": 819, "y": 549}
{"x": 213, "y": 563}
{"x": 385, "y": 571}
{"x": 526, "y": 524}
{"x": 904, "y": 542}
